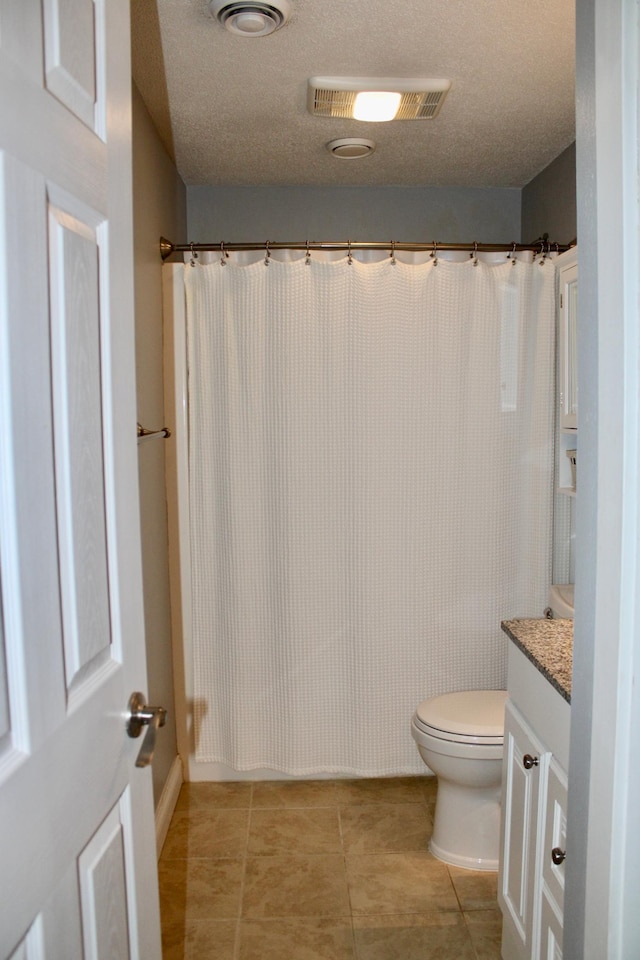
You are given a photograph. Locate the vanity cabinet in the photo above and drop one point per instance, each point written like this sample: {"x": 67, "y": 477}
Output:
{"x": 533, "y": 831}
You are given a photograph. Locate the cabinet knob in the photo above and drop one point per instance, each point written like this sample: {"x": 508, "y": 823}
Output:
{"x": 558, "y": 856}
{"x": 528, "y": 761}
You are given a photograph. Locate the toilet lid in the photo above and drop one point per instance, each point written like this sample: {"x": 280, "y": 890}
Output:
{"x": 471, "y": 716}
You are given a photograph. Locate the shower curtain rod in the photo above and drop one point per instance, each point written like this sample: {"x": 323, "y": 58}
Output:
{"x": 539, "y": 246}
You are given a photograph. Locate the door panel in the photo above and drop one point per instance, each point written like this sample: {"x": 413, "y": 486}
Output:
{"x": 101, "y": 869}
{"x": 77, "y": 411}
{"x": 70, "y": 55}
{"x": 77, "y": 871}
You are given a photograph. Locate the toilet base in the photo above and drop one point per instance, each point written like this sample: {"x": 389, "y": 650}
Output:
{"x": 466, "y": 831}
{"x": 456, "y": 860}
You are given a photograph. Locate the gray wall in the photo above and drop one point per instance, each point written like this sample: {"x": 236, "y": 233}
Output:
{"x": 159, "y": 207}
{"x": 549, "y": 201}
{"x": 455, "y": 214}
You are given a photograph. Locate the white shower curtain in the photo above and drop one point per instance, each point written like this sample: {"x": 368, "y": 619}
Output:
{"x": 370, "y": 459}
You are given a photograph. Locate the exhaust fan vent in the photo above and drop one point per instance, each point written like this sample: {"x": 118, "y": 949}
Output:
{"x": 335, "y": 96}
{"x": 250, "y": 19}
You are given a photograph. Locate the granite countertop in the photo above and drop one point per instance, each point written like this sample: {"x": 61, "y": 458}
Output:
{"x": 548, "y": 644}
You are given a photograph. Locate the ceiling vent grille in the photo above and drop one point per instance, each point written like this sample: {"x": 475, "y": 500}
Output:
{"x": 335, "y": 96}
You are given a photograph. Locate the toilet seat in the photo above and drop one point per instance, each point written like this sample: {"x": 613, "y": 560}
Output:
{"x": 470, "y": 716}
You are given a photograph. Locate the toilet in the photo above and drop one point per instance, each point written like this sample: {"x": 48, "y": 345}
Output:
{"x": 460, "y": 737}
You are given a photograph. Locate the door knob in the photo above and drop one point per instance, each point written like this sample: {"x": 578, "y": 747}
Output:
{"x": 558, "y": 856}
{"x": 528, "y": 761}
{"x": 140, "y": 715}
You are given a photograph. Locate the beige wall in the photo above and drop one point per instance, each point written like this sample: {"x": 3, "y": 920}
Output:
{"x": 549, "y": 201}
{"x": 159, "y": 208}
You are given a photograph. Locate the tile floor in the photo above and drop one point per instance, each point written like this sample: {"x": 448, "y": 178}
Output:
{"x": 318, "y": 870}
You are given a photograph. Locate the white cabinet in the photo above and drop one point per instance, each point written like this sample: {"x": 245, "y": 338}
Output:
{"x": 567, "y": 271}
{"x": 533, "y": 831}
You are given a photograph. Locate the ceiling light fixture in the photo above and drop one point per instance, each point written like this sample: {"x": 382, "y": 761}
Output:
{"x": 250, "y": 19}
{"x": 376, "y": 105}
{"x": 340, "y": 97}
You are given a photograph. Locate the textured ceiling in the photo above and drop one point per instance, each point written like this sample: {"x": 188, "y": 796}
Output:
{"x": 232, "y": 110}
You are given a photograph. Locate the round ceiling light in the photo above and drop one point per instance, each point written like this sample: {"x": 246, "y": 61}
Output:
{"x": 351, "y": 148}
{"x": 250, "y": 19}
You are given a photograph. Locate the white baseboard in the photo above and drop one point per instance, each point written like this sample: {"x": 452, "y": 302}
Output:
{"x": 167, "y": 803}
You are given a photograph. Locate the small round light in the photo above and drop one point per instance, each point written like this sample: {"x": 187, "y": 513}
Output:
{"x": 250, "y": 18}
{"x": 351, "y": 148}
{"x": 251, "y": 23}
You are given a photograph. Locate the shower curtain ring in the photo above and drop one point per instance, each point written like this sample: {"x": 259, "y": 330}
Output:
{"x": 543, "y": 254}
{"x": 267, "y": 256}
{"x": 223, "y": 254}
{"x": 350, "y": 256}
{"x": 475, "y": 253}
{"x": 194, "y": 256}
{"x": 513, "y": 255}
{"x": 393, "y": 253}
{"x": 307, "y": 256}
{"x": 434, "y": 253}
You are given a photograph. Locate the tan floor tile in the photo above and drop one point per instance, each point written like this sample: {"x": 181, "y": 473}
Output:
{"x": 434, "y": 937}
{"x": 305, "y": 939}
{"x": 199, "y": 890}
{"x": 430, "y": 790}
{"x": 476, "y": 889}
{"x": 312, "y": 886}
{"x": 211, "y": 939}
{"x": 174, "y": 944}
{"x": 210, "y": 796}
{"x": 200, "y": 940}
{"x": 385, "y": 827}
{"x": 399, "y": 883}
{"x": 294, "y": 793}
{"x": 310, "y": 830}
{"x": 206, "y": 833}
{"x": 381, "y": 790}
{"x": 485, "y": 927}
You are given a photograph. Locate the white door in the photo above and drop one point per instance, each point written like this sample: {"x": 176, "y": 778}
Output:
{"x": 77, "y": 847}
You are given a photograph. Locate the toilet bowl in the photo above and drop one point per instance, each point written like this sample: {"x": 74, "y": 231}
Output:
{"x": 460, "y": 737}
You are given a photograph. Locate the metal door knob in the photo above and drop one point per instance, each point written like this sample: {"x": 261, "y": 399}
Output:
{"x": 139, "y": 716}
{"x": 558, "y": 856}
{"x": 528, "y": 761}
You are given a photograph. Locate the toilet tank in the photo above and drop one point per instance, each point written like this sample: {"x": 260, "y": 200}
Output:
{"x": 561, "y": 600}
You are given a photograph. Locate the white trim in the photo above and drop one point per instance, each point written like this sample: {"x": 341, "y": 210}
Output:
{"x": 167, "y": 803}
{"x": 176, "y": 419}
{"x": 604, "y": 784}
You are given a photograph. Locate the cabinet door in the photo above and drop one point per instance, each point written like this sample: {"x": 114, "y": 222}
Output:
{"x": 550, "y": 931}
{"x": 524, "y": 773}
{"x": 554, "y": 845}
